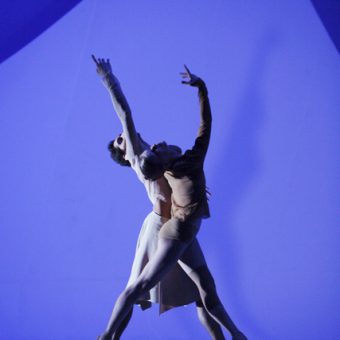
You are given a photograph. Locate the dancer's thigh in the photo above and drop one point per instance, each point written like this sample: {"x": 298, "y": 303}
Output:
{"x": 146, "y": 244}
{"x": 192, "y": 258}
{"x": 167, "y": 253}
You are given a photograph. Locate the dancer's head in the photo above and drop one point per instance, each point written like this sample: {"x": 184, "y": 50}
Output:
{"x": 117, "y": 148}
{"x": 158, "y": 159}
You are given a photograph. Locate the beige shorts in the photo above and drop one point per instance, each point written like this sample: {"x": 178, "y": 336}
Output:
{"x": 182, "y": 231}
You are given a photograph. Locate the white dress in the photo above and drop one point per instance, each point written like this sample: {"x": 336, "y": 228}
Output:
{"x": 176, "y": 288}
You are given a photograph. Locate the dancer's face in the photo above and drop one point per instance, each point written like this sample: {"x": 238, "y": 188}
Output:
{"x": 120, "y": 143}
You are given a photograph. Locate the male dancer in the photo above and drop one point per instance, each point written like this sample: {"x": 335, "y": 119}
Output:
{"x": 177, "y": 238}
{"x": 176, "y": 288}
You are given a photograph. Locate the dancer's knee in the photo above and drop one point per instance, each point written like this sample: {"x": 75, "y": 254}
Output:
{"x": 137, "y": 289}
{"x": 206, "y": 285}
{"x": 129, "y": 294}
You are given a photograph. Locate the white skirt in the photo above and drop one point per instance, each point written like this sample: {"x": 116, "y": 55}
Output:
{"x": 176, "y": 288}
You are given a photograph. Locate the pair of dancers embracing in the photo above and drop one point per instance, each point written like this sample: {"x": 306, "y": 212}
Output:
{"x": 169, "y": 267}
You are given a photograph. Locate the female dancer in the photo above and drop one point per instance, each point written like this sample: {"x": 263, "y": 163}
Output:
{"x": 175, "y": 288}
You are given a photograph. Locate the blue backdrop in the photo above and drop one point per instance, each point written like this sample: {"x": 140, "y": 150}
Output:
{"x": 70, "y": 217}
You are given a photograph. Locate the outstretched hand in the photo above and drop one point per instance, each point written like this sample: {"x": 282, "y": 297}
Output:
{"x": 103, "y": 67}
{"x": 190, "y": 79}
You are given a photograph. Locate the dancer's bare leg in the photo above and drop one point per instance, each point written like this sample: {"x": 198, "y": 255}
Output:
{"x": 122, "y": 326}
{"x": 193, "y": 263}
{"x": 213, "y": 327}
{"x": 205, "y": 283}
{"x": 168, "y": 252}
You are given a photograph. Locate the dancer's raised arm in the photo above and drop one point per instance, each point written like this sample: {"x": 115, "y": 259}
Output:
{"x": 121, "y": 106}
{"x": 200, "y": 147}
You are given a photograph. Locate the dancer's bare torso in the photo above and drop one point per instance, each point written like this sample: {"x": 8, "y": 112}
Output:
{"x": 160, "y": 207}
{"x": 159, "y": 191}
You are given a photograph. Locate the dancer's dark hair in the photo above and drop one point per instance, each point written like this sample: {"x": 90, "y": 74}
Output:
{"x": 117, "y": 155}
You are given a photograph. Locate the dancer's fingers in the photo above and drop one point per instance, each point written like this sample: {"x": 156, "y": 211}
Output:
{"x": 94, "y": 59}
{"x": 186, "y": 68}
